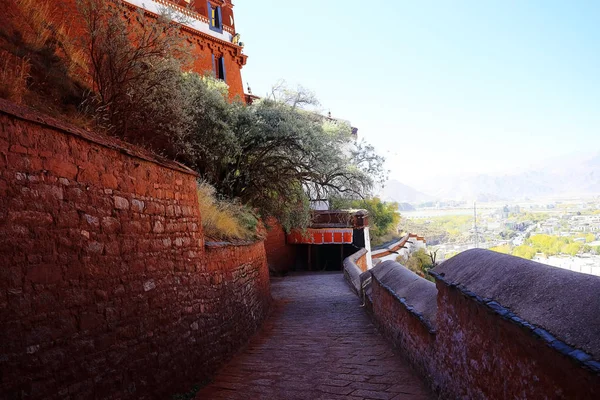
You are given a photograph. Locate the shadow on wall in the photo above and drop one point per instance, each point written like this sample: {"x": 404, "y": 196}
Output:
{"x": 493, "y": 326}
{"x": 107, "y": 289}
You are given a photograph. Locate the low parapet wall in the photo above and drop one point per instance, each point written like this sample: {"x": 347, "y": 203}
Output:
{"x": 354, "y": 266}
{"x": 396, "y": 246}
{"x": 494, "y": 326}
{"x": 405, "y": 306}
{"x": 391, "y": 248}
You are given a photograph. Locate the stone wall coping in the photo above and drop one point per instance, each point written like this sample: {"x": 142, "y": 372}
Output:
{"x": 220, "y": 244}
{"x": 417, "y": 294}
{"x": 352, "y": 271}
{"x": 30, "y": 115}
{"x": 559, "y": 306}
{"x": 388, "y": 246}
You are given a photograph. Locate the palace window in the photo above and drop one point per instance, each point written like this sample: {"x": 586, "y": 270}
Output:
{"x": 219, "y": 67}
{"x": 214, "y": 16}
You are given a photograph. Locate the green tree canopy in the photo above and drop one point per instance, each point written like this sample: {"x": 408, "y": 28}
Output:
{"x": 384, "y": 217}
{"x": 550, "y": 245}
{"x": 274, "y": 155}
{"x": 524, "y": 251}
{"x": 419, "y": 262}
{"x": 504, "y": 249}
{"x": 571, "y": 249}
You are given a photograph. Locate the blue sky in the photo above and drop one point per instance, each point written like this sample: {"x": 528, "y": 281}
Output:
{"x": 450, "y": 87}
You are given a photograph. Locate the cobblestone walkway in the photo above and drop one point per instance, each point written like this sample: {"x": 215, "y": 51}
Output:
{"x": 317, "y": 344}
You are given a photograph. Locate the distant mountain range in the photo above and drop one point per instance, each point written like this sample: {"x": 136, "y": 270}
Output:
{"x": 395, "y": 190}
{"x": 579, "y": 175}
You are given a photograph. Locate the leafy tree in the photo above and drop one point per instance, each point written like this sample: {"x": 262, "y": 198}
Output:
{"x": 300, "y": 97}
{"x": 504, "y": 249}
{"x": 552, "y": 245}
{"x": 419, "y": 262}
{"x": 273, "y": 155}
{"x": 383, "y": 216}
{"x": 527, "y": 216}
{"x": 571, "y": 249}
{"x": 135, "y": 71}
{"x": 524, "y": 251}
{"x": 208, "y": 143}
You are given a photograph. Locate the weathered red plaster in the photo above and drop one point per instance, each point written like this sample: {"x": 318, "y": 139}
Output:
{"x": 361, "y": 262}
{"x": 202, "y": 45}
{"x": 280, "y": 254}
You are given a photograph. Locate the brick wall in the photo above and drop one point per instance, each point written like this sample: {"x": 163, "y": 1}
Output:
{"x": 107, "y": 289}
{"x": 493, "y": 326}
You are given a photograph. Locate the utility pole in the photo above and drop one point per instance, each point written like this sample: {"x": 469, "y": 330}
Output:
{"x": 475, "y": 232}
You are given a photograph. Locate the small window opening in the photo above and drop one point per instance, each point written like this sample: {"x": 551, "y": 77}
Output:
{"x": 219, "y": 68}
{"x": 215, "y": 16}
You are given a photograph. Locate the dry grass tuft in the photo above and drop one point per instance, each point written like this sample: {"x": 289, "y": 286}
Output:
{"x": 223, "y": 219}
{"x": 40, "y": 30}
{"x": 75, "y": 55}
{"x": 14, "y": 72}
{"x": 37, "y": 16}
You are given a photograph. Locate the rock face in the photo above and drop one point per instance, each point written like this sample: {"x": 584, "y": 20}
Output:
{"x": 107, "y": 288}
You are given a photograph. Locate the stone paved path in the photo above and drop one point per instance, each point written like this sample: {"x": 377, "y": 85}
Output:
{"x": 317, "y": 344}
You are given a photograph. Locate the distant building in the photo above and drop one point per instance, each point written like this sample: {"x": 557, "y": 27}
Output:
{"x": 518, "y": 241}
{"x": 344, "y": 121}
{"x": 549, "y": 226}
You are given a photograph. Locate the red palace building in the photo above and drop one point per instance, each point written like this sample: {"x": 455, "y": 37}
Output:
{"x": 210, "y": 27}
{"x": 207, "y": 25}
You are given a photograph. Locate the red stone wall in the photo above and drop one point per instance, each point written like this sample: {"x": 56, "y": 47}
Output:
{"x": 280, "y": 255}
{"x": 403, "y": 328}
{"x": 481, "y": 355}
{"x": 106, "y": 287}
{"x": 474, "y": 353}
